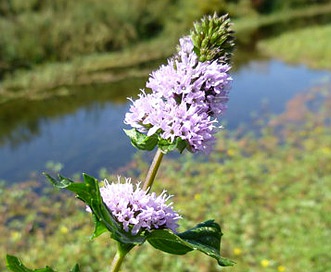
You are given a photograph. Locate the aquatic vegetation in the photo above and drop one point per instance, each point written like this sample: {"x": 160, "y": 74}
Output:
{"x": 272, "y": 190}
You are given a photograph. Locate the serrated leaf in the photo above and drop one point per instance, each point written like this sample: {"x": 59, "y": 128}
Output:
{"x": 88, "y": 191}
{"x": 15, "y": 264}
{"x": 205, "y": 237}
{"x": 207, "y": 233}
{"x": 142, "y": 141}
{"x": 99, "y": 227}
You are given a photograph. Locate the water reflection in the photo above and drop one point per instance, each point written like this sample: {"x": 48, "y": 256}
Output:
{"x": 271, "y": 83}
{"x": 21, "y": 120}
{"x": 84, "y": 130}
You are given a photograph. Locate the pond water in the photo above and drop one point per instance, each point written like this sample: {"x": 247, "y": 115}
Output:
{"x": 84, "y": 131}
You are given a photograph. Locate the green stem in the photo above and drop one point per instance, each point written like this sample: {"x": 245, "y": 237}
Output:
{"x": 117, "y": 262}
{"x": 153, "y": 170}
{"x": 122, "y": 250}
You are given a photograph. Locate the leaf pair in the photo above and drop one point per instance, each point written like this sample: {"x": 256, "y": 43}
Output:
{"x": 143, "y": 142}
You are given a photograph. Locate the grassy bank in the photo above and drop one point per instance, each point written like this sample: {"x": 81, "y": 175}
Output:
{"x": 245, "y": 24}
{"x": 52, "y": 78}
{"x": 271, "y": 195}
{"x": 310, "y": 46}
{"x": 49, "y": 80}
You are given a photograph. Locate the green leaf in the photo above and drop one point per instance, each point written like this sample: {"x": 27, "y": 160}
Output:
{"x": 99, "y": 227}
{"x": 75, "y": 268}
{"x": 205, "y": 237}
{"x": 14, "y": 264}
{"x": 167, "y": 146}
{"x": 88, "y": 191}
{"x": 167, "y": 241}
{"x": 142, "y": 141}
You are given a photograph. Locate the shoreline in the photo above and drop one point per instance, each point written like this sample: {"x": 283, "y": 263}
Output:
{"x": 52, "y": 79}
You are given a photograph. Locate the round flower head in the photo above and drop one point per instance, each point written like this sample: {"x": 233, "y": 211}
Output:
{"x": 138, "y": 210}
{"x": 187, "y": 98}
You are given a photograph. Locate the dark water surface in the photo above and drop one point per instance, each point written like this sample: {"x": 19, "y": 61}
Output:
{"x": 84, "y": 130}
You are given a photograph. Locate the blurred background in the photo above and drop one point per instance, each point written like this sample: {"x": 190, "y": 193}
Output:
{"x": 66, "y": 71}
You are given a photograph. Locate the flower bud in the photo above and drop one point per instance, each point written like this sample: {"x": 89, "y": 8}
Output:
{"x": 213, "y": 38}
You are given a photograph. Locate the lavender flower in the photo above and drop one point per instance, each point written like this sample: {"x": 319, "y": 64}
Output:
{"x": 187, "y": 96}
{"x": 136, "y": 210}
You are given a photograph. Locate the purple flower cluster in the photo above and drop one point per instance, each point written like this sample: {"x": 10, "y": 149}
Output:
{"x": 136, "y": 210}
{"x": 186, "y": 99}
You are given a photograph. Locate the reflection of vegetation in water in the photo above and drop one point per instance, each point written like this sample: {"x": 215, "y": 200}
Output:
{"x": 98, "y": 65}
{"x": 271, "y": 194}
{"x": 21, "y": 120}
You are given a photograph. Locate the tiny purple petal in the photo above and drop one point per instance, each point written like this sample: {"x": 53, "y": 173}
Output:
{"x": 137, "y": 210}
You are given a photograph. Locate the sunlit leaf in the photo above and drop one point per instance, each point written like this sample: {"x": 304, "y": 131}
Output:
{"x": 167, "y": 146}
{"x": 142, "y": 141}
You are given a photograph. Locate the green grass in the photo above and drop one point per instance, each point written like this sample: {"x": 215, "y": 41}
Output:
{"x": 271, "y": 194}
{"x": 310, "y": 46}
